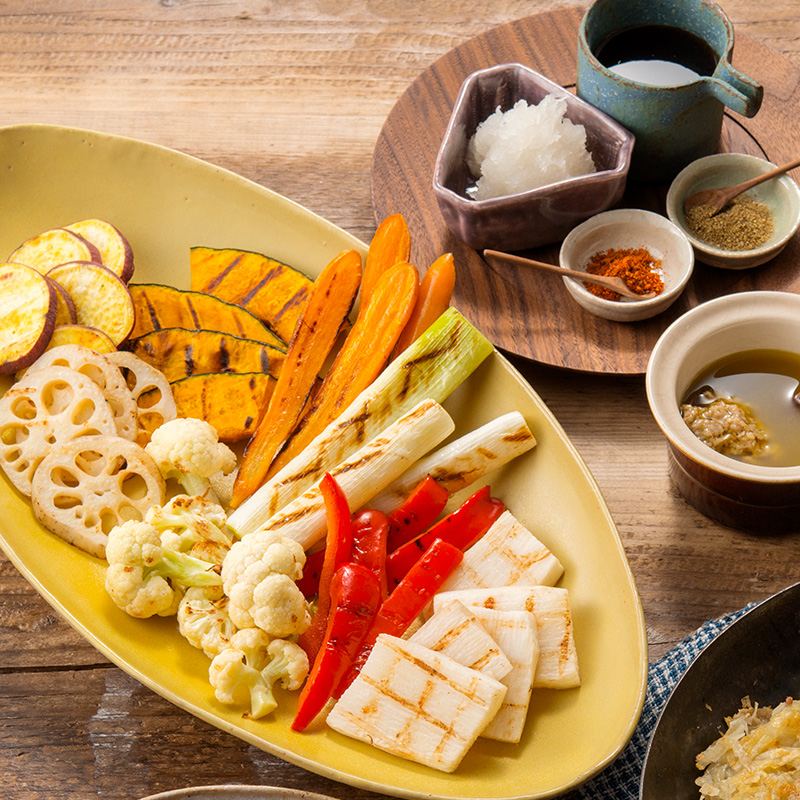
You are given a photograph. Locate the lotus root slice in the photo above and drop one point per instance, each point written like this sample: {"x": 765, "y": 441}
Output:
{"x": 45, "y": 409}
{"x": 151, "y": 393}
{"x": 84, "y": 488}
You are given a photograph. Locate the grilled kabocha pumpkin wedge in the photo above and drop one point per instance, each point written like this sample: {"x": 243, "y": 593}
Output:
{"x": 231, "y": 402}
{"x": 179, "y": 353}
{"x": 157, "y": 307}
{"x": 273, "y": 291}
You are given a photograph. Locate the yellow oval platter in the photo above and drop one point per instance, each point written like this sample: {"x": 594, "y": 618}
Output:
{"x": 166, "y": 202}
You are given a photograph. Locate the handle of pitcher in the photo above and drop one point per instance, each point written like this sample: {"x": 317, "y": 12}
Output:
{"x": 736, "y": 90}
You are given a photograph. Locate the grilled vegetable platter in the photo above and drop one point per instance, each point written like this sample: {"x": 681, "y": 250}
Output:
{"x": 182, "y": 219}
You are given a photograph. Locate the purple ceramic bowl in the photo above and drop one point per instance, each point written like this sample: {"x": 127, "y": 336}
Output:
{"x": 539, "y": 216}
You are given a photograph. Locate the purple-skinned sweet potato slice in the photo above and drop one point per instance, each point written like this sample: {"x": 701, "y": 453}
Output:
{"x": 101, "y": 298}
{"x": 53, "y": 247}
{"x": 115, "y": 250}
{"x": 27, "y": 316}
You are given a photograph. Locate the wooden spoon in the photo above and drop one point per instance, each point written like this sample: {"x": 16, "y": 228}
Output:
{"x": 719, "y": 198}
{"x": 617, "y": 284}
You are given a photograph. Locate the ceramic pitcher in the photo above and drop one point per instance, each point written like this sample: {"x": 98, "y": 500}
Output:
{"x": 673, "y": 124}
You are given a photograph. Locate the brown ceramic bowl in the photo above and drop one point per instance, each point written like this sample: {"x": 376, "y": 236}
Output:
{"x": 740, "y": 495}
{"x": 540, "y": 216}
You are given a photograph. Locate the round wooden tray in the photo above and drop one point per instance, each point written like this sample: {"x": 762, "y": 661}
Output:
{"x": 527, "y": 313}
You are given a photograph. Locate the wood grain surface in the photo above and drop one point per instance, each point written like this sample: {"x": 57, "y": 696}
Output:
{"x": 294, "y": 96}
{"x": 524, "y": 311}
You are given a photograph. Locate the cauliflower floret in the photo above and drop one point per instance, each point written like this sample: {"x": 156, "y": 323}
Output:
{"x": 192, "y": 525}
{"x": 145, "y": 578}
{"x": 245, "y": 672}
{"x": 189, "y": 451}
{"x": 204, "y": 621}
{"x": 259, "y": 575}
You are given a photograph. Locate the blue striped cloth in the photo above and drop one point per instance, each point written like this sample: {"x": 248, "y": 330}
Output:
{"x": 620, "y": 780}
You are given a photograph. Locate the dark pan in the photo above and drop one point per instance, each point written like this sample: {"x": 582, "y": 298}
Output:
{"x": 757, "y": 656}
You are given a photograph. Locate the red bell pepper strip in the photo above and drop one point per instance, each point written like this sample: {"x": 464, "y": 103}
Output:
{"x": 417, "y": 514}
{"x": 338, "y": 547}
{"x": 406, "y": 601}
{"x": 370, "y": 529}
{"x": 355, "y": 596}
{"x": 312, "y": 571}
{"x": 462, "y": 529}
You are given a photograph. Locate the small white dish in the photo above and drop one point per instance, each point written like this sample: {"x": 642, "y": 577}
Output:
{"x": 781, "y": 195}
{"x": 235, "y": 792}
{"x": 628, "y": 228}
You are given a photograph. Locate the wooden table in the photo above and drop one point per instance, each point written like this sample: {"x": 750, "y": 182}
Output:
{"x": 293, "y": 96}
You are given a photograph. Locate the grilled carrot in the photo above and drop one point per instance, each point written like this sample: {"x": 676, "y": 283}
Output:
{"x": 315, "y": 334}
{"x": 435, "y": 292}
{"x": 361, "y": 359}
{"x": 390, "y": 245}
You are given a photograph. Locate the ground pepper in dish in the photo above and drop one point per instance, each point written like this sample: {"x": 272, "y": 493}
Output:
{"x": 640, "y": 271}
{"x": 743, "y": 224}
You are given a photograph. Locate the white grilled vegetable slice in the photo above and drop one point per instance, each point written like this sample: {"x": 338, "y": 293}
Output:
{"x": 366, "y": 472}
{"x": 45, "y": 409}
{"x": 98, "y": 368}
{"x": 84, "y": 488}
{"x": 28, "y": 304}
{"x": 417, "y": 704}
{"x": 464, "y": 460}
{"x": 456, "y": 632}
{"x": 558, "y": 659}
{"x": 53, "y": 247}
{"x": 515, "y": 633}
{"x": 115, "y": 250}
{"x": 101, "y": 298}
{"x": 506, "y": 555}
{"x": 151, "y": 392}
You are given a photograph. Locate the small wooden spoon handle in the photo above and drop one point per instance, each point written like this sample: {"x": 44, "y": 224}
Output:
{"x": 617, "y": 284}
{"x": 773, "y": 173}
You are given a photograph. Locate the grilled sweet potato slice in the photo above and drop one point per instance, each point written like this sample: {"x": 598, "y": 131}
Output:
{"x": 158, "y": 307}
{"x": 101, "y": 298}
{"x": 53, "y": 247}
{"x": 230, "y": 402}
{"x": 270, "y": 289}
{"x": 115, "y": 250}
{"x": 82, "y": 335}
{"x": 65, "y": 308}
{"x": 27, "y": 316}
{"x": 179, "y": 353}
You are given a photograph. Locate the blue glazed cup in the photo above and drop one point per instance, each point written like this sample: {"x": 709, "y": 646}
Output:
{"x": 673, "y": 125}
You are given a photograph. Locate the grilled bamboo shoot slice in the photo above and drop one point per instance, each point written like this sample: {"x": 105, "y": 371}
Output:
{"x": 456, "y": 632}
{"x": 417, "y": 704}
{"x": 515, "y": 633}
{"x": 558, "y": 659}
{"x": 506, "y": 555}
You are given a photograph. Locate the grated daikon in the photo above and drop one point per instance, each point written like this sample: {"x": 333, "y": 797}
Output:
{"x": 526, "y": 147}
